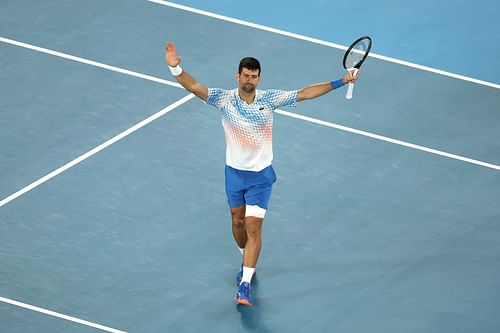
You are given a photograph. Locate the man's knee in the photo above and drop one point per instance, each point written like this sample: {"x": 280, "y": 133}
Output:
{"x": 253, "y": 226}
{"x": 238, "y": 216}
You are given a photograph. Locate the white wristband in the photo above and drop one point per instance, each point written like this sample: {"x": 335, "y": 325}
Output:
{"x": 176, "y": 71}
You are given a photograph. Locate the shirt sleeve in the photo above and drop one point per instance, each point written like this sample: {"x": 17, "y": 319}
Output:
{"x": 281, "y": 98}
{"x": 217, "y": 97}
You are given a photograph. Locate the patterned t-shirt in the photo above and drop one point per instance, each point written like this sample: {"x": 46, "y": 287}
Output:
{"x": 249, "y": 127}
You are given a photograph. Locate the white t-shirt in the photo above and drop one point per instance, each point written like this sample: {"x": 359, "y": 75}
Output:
{"x": 249, "y": 127}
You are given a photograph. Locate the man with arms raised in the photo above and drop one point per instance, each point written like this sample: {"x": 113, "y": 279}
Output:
{"x": 247, "y": 119}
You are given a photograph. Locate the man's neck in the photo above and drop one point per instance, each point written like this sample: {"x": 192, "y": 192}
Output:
{"x": 247, "y": 98}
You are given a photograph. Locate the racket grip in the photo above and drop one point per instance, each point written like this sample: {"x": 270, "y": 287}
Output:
{"x": 350, "y": 86}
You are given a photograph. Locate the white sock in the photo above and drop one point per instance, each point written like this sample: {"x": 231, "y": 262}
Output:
{"x": 247, "y": 274}
{"x": 241, "y": 250}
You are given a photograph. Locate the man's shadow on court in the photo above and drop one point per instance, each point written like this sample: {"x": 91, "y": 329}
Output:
{"x": 251, "y": 315}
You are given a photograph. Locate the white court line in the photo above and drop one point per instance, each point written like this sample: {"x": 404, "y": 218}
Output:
{"x": 387, "y": 139}
{"x": 89, "y": 62}
{"x": 59, "y": 315}
{"x": 96, "y": 149}
{"x": 322, "y": 42}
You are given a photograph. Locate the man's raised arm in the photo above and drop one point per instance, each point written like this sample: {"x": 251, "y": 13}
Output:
{"x": 183, "y": 77}
{"x": 319, "y": 89}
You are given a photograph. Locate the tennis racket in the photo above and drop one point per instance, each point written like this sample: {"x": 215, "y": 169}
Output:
{"x": 354, "y": 57}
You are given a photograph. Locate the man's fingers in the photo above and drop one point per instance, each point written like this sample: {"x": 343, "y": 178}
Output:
{"x": 171, "y": 55}
{"x": 352, "y": 75}
{"x": 171, "y": 47}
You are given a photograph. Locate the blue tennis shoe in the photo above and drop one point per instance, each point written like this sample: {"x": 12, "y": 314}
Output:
{"x": 243, "y": 296}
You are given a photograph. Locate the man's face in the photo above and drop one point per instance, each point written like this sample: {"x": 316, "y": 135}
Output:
{"x": 248, "y": 80}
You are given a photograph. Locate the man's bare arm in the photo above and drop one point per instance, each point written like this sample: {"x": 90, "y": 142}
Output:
{"x": 319, "y": 89}
{"x": 184, "y": 78}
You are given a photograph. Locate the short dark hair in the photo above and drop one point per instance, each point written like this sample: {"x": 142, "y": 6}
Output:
{"x": 249, "y": 63}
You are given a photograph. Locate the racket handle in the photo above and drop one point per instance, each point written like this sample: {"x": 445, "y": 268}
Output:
{"x": 350, "y": 86}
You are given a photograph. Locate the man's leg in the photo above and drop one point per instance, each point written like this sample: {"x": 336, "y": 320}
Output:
{"x": 257, "y": 193}
{"x": 253, "y": 227}
{"x": 240, "y": 235}
{"x": 238, "y": 226}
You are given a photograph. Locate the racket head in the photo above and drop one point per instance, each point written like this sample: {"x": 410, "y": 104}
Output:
{"x": 357, "y": 52}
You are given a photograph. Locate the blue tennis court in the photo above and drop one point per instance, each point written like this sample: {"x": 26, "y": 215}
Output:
{"x": 113, "y": 216}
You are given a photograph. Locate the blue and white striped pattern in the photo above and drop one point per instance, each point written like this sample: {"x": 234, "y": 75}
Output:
{"x": 248, "y": 127}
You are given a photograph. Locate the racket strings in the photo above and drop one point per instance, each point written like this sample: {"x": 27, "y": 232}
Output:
{"x": 356, "y": 54}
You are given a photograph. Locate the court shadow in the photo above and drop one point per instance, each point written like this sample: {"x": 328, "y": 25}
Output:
{"x": 251, "y": 315}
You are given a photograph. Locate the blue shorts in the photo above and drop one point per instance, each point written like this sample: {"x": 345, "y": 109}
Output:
{"x": 249, "y": 187}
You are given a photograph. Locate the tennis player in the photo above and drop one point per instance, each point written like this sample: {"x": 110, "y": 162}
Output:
{"x": 247, "y": 119}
